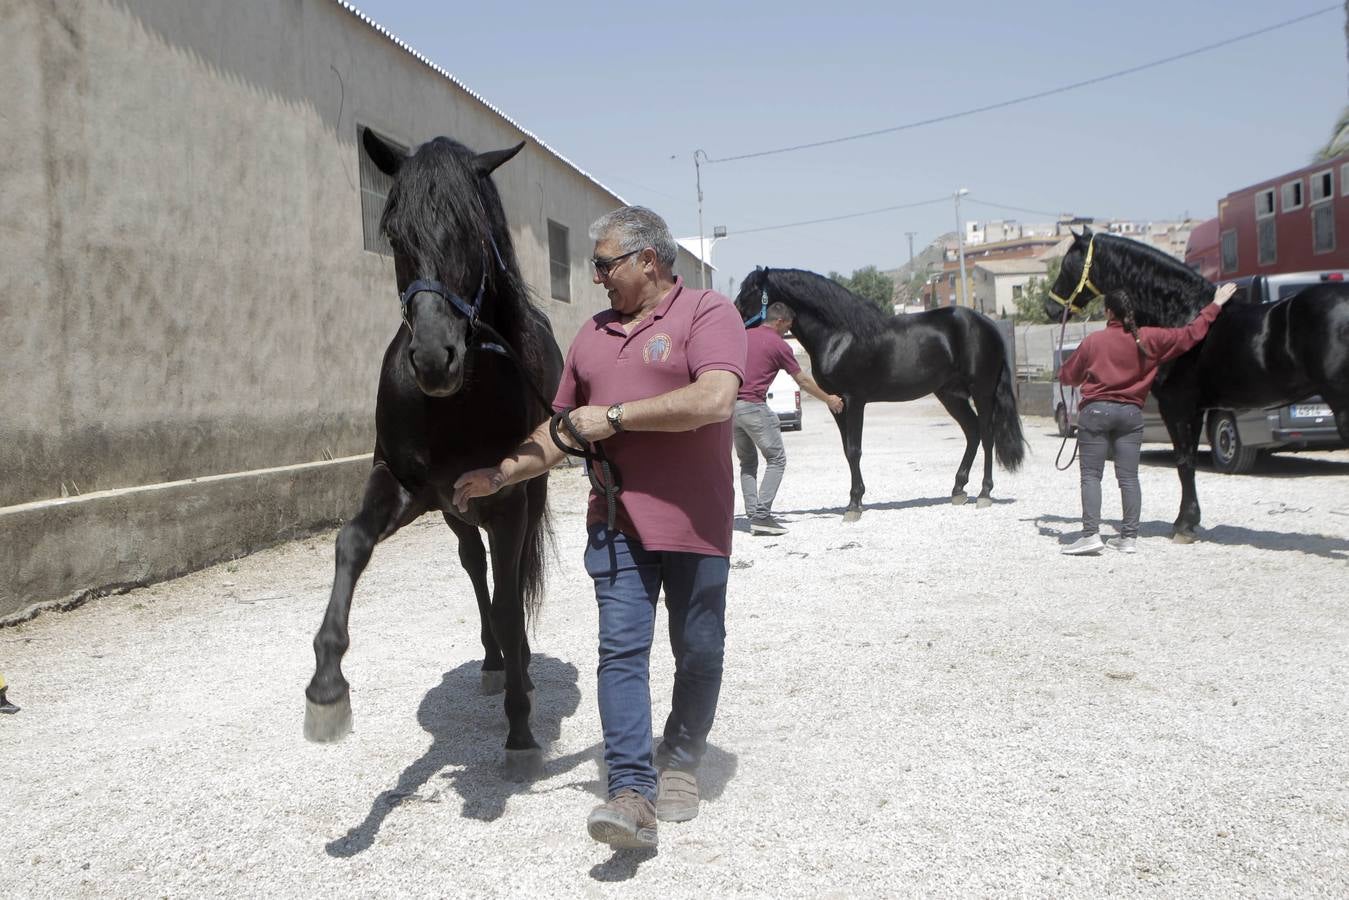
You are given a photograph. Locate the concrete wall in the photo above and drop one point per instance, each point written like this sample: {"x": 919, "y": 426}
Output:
{"x": 184, "y": 291}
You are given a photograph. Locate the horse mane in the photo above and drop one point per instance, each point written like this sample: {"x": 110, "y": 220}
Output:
{"x": 1165, "y": 291}
{"x": 823, "y": 298}
{"x": 442, "y": 212}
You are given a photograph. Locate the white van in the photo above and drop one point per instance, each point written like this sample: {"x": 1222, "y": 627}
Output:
{"x": 784, "y": 398}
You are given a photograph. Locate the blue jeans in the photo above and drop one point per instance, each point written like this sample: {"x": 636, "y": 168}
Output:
{"x": 628, "y": 580}
{"x": 1103, "y": 426}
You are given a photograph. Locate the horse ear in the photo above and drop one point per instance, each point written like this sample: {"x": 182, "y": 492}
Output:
{"x": 387, "y": 158}
{"x": 489, "y": 162}
{"x": 1086, "y": 231}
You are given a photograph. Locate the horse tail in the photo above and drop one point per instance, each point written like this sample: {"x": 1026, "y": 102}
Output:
{"x": 538, "y": 540}
{"x": 1008, "y": 442}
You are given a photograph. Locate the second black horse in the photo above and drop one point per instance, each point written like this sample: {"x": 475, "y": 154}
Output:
{"x": 865, "y": 356}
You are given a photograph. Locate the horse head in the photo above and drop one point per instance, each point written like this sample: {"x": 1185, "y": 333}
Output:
{"x": 1073, "y": 289}
{"x": 439, "y": 219}
{"x": 753, "y": 299}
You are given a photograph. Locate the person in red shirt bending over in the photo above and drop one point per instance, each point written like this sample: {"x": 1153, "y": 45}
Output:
{"x": 756, "y": 426}
{"x": 1115, "y": 368}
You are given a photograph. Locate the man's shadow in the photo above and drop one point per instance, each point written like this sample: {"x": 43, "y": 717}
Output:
{"x": 467, "y": 731}
{"x": 715, "y": 772}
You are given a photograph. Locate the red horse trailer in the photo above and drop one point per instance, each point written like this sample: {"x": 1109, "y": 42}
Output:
{"x": 1296, "y": 222}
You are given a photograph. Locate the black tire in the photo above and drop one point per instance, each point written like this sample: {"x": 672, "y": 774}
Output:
{"x": 1066, "y": 428}
{"x": 1230, "y": 455}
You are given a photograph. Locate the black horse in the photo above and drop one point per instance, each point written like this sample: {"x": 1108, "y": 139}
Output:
{"x": 1254, "y": 356}
{"x": 864, "y": 356}
{"x": 452, "y": 398}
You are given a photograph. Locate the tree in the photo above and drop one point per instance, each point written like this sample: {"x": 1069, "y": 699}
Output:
{"x": 870, "y": 284}
{"x": 1030, "y": 306}
{"x": 1339, "y": 135}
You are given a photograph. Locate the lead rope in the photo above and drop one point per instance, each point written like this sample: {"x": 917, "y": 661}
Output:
{"x": 603, "y": 475}
{"x": 608, "y": 482}
{"x": 1063, "y": 330}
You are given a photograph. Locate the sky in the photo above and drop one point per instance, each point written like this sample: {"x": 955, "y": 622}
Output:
{"x": 628, "y": 93}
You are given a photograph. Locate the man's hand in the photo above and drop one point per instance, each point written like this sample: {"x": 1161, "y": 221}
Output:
{"x": 592, "y": 423}
{"x": 835, "y": 404}
{"x": 477, "y": 483}
{"x": 1224, "y": 293}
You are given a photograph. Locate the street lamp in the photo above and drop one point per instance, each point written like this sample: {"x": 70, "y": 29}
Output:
{"x": 718, "y": 234}
{"x": 960, "y": 248}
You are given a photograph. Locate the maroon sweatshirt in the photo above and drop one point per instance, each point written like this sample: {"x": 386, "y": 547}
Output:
{"x": 1109, "y": 367}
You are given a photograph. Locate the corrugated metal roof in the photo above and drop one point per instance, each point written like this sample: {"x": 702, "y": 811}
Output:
{"x": 405, "y": 47}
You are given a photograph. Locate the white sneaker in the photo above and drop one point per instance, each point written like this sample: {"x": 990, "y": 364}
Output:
{"x": 1123, "y": 544}
{"x": 1089, "y": 545}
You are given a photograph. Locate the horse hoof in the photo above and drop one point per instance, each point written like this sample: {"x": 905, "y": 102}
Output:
{"x": 523, "y": 765}
{"x": 960, "y": 499}
{"x": 852, "y": 515}
{"x": 493, "y": 682}
{"x": 1182, "y": 537}
{"x": 983, "y": 503}
{"x": 327, "y": 722}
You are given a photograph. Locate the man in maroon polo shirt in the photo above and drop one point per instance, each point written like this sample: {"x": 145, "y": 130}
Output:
{"x": 756, "y": 426}
{"x": 655, "y": 379}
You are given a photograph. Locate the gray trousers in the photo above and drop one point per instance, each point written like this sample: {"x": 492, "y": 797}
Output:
{"x": 757, "y": 430}
{"x": 1102, "y": 426}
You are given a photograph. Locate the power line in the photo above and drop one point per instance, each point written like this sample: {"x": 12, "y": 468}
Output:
{"x": 855, "y": 215}
{"x": 1036, "y": 96}
{"x": 884, "y": 209}
{"x": 1034, "y": 212}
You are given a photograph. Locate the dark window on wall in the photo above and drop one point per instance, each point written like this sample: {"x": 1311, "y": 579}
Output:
{"x": 559, "y": 262}
{"x": 1292, "y": 195}
{"x": 1264, "y": 203}
{"x": 374, "y": 191}
{"x": 1323, "y": 186}
{"x": 1229, "y": 251}
{"x": 1266, "y": 248}
{"x": 1323, "y": 228}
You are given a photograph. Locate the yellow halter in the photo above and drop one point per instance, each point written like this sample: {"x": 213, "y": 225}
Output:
{"x": 1083, "y": 282}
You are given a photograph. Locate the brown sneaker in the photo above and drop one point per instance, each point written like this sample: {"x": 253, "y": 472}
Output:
{"x": 678, "y": 797}
{"x": 627, "y": 821}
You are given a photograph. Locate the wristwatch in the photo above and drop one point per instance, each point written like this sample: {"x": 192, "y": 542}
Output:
{"x": 615, "y": 416}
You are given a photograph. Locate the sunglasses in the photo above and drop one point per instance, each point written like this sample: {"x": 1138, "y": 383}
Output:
{"x": 603, "y": 266}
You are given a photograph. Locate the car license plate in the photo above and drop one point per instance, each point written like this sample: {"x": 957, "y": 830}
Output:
{"x": 1310, "y": 410}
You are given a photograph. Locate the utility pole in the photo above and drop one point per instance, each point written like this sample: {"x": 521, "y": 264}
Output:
{"x": 702, "y": 248}
{"x": 960, "y": 249}
{"x": 909, "y": 235}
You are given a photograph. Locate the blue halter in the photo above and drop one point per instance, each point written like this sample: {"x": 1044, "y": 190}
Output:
{"x": 761, "y": 314}
{"x": 469, "y": 311}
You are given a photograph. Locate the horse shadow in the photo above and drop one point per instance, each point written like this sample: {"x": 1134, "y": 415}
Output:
{"x": 1226, "y": 535}
{"x": 466, "y": 731}
{"x": 888, "y": 505}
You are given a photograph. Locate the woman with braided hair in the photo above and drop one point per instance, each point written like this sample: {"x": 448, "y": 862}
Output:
{"x": 1115, "y": 368}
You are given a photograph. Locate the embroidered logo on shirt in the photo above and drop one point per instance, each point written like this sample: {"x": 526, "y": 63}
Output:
{"x": 658, "y": 348}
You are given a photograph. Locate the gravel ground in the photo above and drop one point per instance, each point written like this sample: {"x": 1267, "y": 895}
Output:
{"x": 930, "y": 701}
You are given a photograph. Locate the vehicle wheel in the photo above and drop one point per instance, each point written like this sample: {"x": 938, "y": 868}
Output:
{"x": 1230, "y": 455}
{"x": 1066, "y": 428}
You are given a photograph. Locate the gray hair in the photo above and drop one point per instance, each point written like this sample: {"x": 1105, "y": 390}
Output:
{"x": 636, "y": 228}
{"x": 779, "y": 310}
